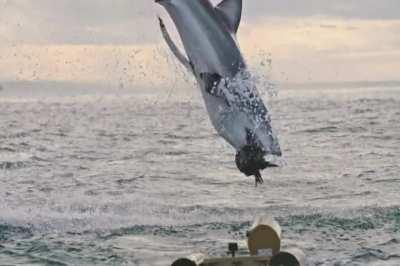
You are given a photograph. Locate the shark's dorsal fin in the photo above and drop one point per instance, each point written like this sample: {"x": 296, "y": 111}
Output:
{"x": 174, "y": 48}
{"x": 231, "y": 13}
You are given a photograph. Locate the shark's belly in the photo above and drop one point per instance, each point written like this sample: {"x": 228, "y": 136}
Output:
{"x": 229, "y": 123}
{"x": 233, "y": 124}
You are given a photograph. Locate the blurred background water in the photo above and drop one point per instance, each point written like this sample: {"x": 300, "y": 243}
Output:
{"x": 97, "y": 177}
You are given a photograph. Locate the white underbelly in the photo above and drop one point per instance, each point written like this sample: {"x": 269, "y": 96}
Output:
{"x": 230, "y": 124}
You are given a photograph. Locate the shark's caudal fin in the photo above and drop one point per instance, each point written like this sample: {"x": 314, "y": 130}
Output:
{"x": 231, "y": 13}
{"x": 185, "y": 62}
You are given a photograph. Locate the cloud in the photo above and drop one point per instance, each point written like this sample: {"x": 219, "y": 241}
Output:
{"x": 301, "y": 50}
{"x": 93, "y": 40}
{"x": 78, "y": 22}
{"x": 350, "y": 9}
{"x": 134, "y": 21}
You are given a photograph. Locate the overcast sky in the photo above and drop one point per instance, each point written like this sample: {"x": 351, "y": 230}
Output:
{"x": 96, "y": 40}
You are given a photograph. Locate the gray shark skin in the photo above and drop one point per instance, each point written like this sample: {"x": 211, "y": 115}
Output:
{"x": 235, "y": 108}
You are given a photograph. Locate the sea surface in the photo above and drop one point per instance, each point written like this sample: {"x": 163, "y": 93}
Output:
{"x": 126, "y": 178}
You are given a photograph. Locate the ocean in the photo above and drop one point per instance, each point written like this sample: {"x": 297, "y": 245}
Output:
{"x": 119, "y": 177}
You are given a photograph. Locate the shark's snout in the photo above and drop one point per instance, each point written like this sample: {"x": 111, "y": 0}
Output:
{"x": 250, "y": 160}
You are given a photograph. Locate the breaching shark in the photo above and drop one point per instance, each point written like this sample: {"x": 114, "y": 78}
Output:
{"x": 234, "y": 105}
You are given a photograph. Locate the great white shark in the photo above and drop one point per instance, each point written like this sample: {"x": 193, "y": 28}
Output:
{"x": 234, "y": 105}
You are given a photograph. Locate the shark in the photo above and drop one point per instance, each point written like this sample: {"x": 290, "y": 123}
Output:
{"x": 233, "y": 102}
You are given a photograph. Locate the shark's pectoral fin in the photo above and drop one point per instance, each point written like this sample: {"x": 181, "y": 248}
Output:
{"x": 231, "y": 13}
{"x": 211, "y": 82}
{"x": 185, "y": 62}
